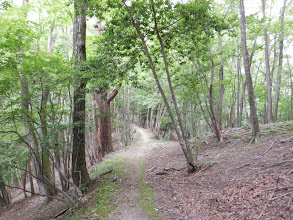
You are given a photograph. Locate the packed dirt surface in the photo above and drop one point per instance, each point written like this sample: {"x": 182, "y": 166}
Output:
{"x": 129, "y": 205}
{"x": 237, "y": 180}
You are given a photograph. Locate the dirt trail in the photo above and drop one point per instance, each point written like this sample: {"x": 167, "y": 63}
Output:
{"x": 129, "y": 202}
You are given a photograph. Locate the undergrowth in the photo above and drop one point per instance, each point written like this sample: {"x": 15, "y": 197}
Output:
{"x": 101, "y": 200}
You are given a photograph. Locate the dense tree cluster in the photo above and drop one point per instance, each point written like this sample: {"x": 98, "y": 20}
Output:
{"x": 74, "y": 76}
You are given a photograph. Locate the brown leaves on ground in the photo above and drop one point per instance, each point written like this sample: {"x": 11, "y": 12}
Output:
{"x": 237, "y": 181}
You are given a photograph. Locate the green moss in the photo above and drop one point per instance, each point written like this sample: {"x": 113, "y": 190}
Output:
{"x": 101, "y": 202}
{"x": 146, "y": 193}
{"x": 267, "y": 128}
{"x": 116, "y": 162}
{"x": 235, "y": 136}
{"x": 270, "y": 132}
{"x": 209, "y": 163}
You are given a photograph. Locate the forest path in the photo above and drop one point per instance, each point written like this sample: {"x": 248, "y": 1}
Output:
{"x": 129, "y": 205}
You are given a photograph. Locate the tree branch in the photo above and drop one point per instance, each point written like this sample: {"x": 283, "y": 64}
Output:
{"x": 113, "y": 93}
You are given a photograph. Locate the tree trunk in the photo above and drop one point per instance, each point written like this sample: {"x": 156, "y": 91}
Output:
{"x": 191, "y": 166}
{"x": 80, "y": 174}
{"x": 103, "y": 120}
{"x": 46, "y": 163}
{"x": 267, "y": 62}
{"x": 239, "y": 116}
{"x": 214, "y": 122}
{"x": 221, "y": 85}
{"x": 32, "y": 138}
{"x": 281, "y": 46}
{"x": 5, "y": 196}
{"x": 31, "y": 178}
{"x": 246, "y": 61}
{"x": 104, "y": 123}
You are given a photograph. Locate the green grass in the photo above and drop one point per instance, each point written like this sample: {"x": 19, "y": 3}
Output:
{"x": 235, "y": 136}
{"x": 146, "y": 193}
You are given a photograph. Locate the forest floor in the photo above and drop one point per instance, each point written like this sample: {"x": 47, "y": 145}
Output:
{"x": 237, "y": 180}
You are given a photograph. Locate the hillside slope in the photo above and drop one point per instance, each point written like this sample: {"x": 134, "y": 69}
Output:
{"x": 237, "y": 180}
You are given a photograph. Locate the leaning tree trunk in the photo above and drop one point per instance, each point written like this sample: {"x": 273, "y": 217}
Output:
{"x": 279, "y": 77}
{"x": 215, "y": 120}
{"x": 246, "y": 61}
{"x": 191, "y": 166}
{"x": 80, "y": 174}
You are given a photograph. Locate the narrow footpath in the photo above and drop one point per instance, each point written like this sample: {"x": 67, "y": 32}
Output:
{"x": 130, "y": 204}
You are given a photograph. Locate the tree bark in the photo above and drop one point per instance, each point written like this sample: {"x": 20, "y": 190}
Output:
{"x": 279, "y": 76}
{"x": 214, "y": 120}
{"x": 221, "y": 85}
{"x": 267, "y": 62}
{"x": 239, "y": 115}
{"x": 104, "y": 124}
{"x": 103, "y": 133}
{"x": 246, "y": 61}
{"x": 46, "y": 163}
{"x": 80, "y": 174}
{"x": 4, "y": 196}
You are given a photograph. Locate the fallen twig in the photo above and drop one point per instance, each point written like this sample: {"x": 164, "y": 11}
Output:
{"x": 276, "y": 164}
{"x": 61, "y": 213}
{"x": 278, "y": 197}
{"x": 287, "y": 140}
{"x": 102, "y": 174}
{"x": 272, "y": 195}
{"x": 200, "y": 171}
{"x": 280, "y": 188}
{"x": 268, "y": 149}
{"x": 242, "y": 166}
{"x": 161, "y": 173}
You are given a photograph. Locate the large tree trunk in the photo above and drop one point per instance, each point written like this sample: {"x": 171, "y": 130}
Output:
{"x": 246, "y": 61}
{"x": 281, "y": 46}
{"x": 104, "y": 132}
{"x": 80, "y": 174}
